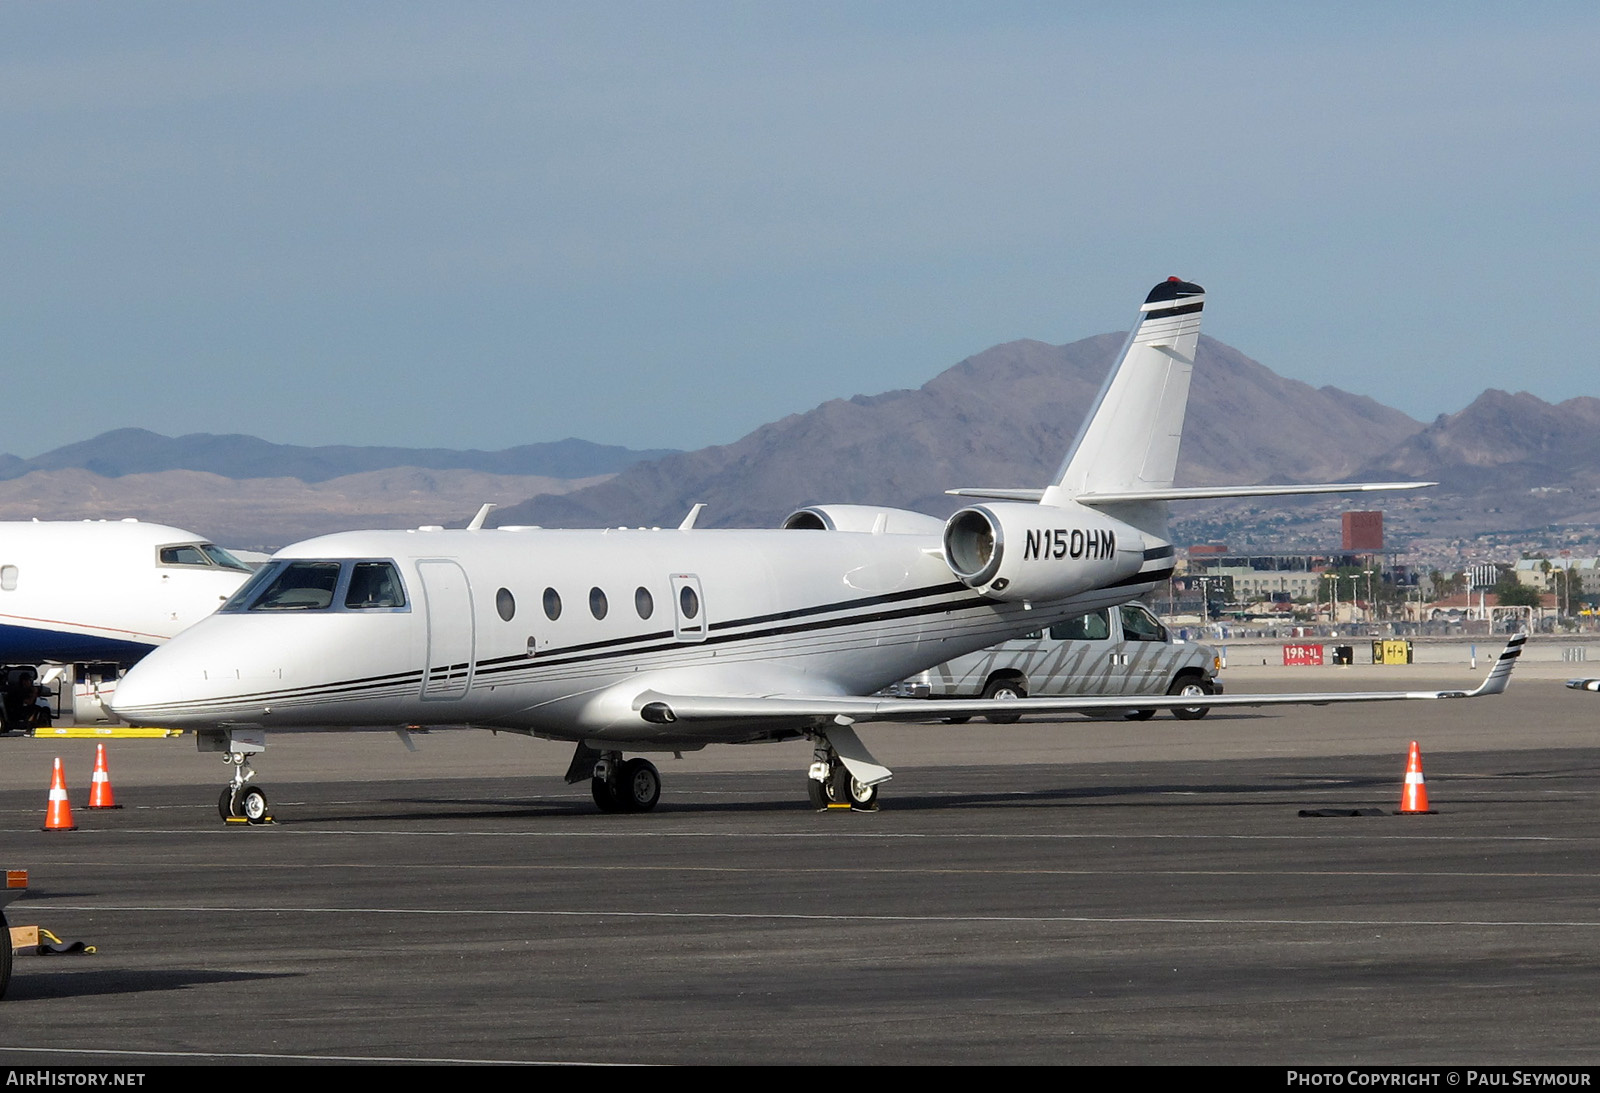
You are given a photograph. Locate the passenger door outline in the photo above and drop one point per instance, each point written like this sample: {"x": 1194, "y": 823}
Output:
{"x": 447, "y": 672}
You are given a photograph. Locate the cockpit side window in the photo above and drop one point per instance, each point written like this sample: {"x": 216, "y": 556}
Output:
{"x": 300, "y": 586}
{"x": 186, "y": 554}
{"x": 373, "y": 585}
{"x": 222, "y": 559}
{"x": 204, "y": 555}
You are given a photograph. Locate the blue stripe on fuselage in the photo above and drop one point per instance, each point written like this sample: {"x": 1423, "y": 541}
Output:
{"x": 36, "y": 644}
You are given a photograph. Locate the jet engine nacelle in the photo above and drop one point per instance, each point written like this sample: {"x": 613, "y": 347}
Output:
{"x": 1039, "y": 552}
{"x": 866, "y": 518}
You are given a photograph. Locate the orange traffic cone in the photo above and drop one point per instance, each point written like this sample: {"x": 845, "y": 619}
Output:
{"x": 100, "y": 795}
{"x": 58, "y": 815}
{"x": 1414, "y": 797}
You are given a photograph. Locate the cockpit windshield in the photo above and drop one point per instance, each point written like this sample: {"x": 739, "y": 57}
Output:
{"x": 298, "y": 584}
{"x": 205, "y": 555}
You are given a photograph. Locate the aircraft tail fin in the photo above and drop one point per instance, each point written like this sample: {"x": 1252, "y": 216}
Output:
{"x": 1124, "y": 459}
{"x": 1129, "y": 441}
{"x": 1128, "y": 444}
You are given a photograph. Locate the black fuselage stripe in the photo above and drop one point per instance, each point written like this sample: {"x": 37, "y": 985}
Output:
{"x": 845, "y": 605}
{"x": 352, "y": 688}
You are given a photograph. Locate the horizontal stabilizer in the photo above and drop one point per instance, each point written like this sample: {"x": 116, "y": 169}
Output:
{"x": 1193, "y": 493}
{"x": 1200, "y": 493}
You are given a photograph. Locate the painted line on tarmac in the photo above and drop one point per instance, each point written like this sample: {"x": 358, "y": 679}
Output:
{"x": 144, "y": 870}
{"x": 761, "y": 916}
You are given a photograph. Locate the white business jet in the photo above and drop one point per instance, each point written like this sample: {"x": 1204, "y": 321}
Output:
{"x": 99, "y": 593}
{"x": 634, "y": 640}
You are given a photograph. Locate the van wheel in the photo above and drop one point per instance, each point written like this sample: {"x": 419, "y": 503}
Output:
{"x": 1004, "y": 690}
{"x": 1189, "y": 685}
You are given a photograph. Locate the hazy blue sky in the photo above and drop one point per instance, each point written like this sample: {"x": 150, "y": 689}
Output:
{"x": 663, "y": 224}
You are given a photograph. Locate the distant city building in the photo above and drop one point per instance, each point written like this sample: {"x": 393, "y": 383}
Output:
{"x": 1250, "y": 585}
{"x": 1363, "y": 531}
{"x": 1544, "y": 573}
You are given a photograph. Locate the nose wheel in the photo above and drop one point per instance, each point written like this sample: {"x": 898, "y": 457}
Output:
{"x": 241, "y": 801}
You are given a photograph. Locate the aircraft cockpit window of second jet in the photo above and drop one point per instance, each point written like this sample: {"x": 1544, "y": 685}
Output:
{"x": 309, "y": 585}
{"x": 199, "y": 554}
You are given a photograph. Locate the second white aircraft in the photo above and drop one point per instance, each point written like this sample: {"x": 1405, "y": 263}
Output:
{"x": 631, "y": 640}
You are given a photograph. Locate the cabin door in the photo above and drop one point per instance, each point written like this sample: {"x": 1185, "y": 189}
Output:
{"x": 450, "y": 630}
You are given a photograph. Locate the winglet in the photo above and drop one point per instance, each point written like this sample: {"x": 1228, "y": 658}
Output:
{"x": 483, "y": 514}
{"x": 1500, "y": 674}
{"x": 694, "y": 514}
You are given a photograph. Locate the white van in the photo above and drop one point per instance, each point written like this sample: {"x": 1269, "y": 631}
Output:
{"x": 1114, "y": 651}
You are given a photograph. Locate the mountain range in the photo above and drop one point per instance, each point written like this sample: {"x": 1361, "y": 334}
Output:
{"x": 1003, "y": 417}
{"x": 123, "y": 452}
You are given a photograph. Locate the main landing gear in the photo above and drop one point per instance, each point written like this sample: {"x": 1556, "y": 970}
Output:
{"x": 631, "y": 786}
{"x": 239, "y": 799}
{"x": 829, "y": 782}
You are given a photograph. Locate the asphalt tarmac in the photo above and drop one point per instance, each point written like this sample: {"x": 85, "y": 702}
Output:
{"x": 1049, "y": 892}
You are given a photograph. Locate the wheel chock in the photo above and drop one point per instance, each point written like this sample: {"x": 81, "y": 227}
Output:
{"x": 44, "y": 943}
{"x": 247, "y": 821}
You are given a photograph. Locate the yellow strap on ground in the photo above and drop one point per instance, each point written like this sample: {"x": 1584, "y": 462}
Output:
{"x": 121, "y": 732}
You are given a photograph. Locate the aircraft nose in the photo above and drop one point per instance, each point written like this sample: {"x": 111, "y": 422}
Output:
{"x": 139, "y": 690}
{"x": 153, "y": 691}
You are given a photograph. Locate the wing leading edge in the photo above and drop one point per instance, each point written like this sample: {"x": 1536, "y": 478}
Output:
{"x": 844, "y": 710}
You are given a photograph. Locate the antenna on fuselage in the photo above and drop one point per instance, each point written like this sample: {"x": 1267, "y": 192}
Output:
{"x": 483, "y": 514}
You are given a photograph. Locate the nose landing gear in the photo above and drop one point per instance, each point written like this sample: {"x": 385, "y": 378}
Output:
{"x": 241, "y": 801}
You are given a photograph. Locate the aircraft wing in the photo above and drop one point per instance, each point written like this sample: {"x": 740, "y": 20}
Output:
{"x": 661, "y": 708}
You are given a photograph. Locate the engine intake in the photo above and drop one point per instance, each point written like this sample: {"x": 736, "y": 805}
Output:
{"x": 862, "y": 518}
{"x": 1039, "y": 552}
